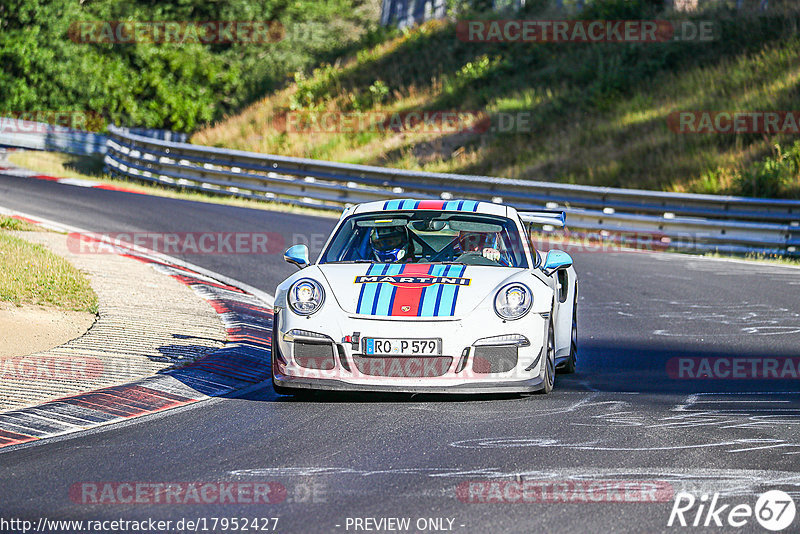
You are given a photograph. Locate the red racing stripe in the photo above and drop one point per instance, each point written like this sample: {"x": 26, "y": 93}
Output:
{"x": 407, "y": 297}
{"x": 430, "y": 205}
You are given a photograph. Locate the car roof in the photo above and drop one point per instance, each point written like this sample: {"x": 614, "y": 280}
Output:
{"x": 409, "y": 204}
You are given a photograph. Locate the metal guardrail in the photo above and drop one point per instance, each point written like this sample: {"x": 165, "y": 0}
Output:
{"x": 685, "y": 221}
{"x": 41, "y": 136}
{"x": 21, "y": 133}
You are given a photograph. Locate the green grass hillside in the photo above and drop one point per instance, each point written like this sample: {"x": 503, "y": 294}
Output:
{"x": 45, "y": 67}
{"x": 599, "y": 111}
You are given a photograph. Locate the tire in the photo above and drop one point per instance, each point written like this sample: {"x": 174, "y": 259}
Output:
{"x": 280, "y": 390}
{"x": 549, "y": 362}
{"x": 298, "y": 393}
{"x": 572, "y": 361}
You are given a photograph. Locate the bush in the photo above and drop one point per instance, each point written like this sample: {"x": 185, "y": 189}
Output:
{"x": 776, "y": 176}
{"x": 174, "y": 86}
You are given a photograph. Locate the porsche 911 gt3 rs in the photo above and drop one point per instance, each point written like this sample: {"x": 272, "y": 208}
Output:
{"x": 427, "y": 296}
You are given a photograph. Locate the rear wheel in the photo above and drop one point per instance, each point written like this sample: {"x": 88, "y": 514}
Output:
{"x": 549, "y": 362}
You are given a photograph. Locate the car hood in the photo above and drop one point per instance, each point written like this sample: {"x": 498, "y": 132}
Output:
{"x": 413, "y": 290}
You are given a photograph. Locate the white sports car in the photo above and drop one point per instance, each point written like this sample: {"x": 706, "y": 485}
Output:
{"x": 427, "y": 296}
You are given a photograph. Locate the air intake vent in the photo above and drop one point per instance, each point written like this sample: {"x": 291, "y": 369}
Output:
{"x": 404, "y": 367}
{"x": 494, "y": 359}
{"x": 314, "y": 355}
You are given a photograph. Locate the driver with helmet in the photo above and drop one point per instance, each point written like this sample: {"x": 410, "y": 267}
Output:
{"x": 391, "y": 244}
{"x": 483, "y": 243}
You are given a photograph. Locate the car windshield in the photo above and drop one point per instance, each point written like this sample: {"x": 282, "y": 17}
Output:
{"x": 427, "y": 237}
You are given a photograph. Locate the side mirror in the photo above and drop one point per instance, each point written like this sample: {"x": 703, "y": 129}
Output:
{"x": 555, "y": 260}
{"x": 297, "y": 255}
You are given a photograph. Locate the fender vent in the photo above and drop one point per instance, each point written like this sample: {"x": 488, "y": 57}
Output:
{"x": 494, "y": 359}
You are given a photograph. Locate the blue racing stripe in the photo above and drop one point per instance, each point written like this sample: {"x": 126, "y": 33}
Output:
{"x": 459, "y": 272}
{"x": 438, "y": 300}
{"x": 392, "y": 205}
{"x": 385, "y": 296}
{"x": 470, "y": 205}
{"x": 371, "y": 304}
{"x": 451, "y": 205}
{"x": 408, "y": 205}
{"x": 446, "y": 298}
{"x": 366, "y": 298}
{"x": 428, "y": 299}
{"x": 439, "y": 291}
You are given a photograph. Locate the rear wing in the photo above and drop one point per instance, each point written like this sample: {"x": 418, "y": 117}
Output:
{"x": 551, "y": 217}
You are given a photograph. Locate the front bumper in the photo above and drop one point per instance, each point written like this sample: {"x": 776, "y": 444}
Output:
{"x": 462, "y": 367}
{"x": 525, "y": 386}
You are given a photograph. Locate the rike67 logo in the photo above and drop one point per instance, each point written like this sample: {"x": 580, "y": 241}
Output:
{"x": 774, "y": 510}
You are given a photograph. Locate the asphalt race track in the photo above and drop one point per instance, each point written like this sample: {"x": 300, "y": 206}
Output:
{"x": 621, "y": 417}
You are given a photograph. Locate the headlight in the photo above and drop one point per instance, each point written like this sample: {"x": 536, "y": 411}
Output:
{"x": 306, "y": 296}
{"x": 513, "y": 301}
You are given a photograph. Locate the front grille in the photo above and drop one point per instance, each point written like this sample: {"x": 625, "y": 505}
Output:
{"x": 314, "y": 355}
{"x": 403, "y": 367}
{"x": 494, "y": 359}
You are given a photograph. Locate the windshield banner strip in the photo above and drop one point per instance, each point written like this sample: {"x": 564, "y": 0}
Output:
{"x": 439, "y": 205}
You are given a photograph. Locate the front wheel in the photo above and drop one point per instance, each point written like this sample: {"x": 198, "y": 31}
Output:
{"x": 275, "y": 354}
{"x": 297, "y": 393}
{"x": 550, "y": 362}
{"x": 572, "y": 361}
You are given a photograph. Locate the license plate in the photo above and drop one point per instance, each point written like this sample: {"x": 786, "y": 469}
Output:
{"x": 402, "y": 347}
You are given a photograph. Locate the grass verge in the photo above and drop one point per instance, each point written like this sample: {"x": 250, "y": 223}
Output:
{"x": 758, "y": 258}
{"x": 10, "y": 223}
{"x": 31, "y": 274}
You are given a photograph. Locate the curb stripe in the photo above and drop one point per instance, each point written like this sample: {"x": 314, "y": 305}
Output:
{"x": 77, "y": 182}
{"x": 244, "y": 360}
{"x": 11, "y": 438}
